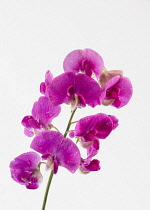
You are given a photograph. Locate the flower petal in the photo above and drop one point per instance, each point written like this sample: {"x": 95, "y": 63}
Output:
{"x": 58, "y": 89}
{"x": 47, "y": 142}
{"x": 26, "y": 161}
{"x": 69, "y": 155}
{"x": 44, "y": 111}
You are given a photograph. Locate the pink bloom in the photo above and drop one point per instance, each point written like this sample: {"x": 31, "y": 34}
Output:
{"x": 43, "y": 112}
{"x": 95, "y": 126}
{"x": 57, "y": 150}
{"x": 117, "y": 89}
{"x": 24, "y": 170}
{"x": 86, "y": 61}
{"x": 78, "y": 90}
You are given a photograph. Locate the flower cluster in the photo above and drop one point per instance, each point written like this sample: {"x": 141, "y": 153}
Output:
{"x": 85, "y": 82}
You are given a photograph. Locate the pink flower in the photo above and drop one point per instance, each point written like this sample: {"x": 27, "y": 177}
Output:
{"x": 57, "y": 150}
{"x": 117, "y": 89}
{"x": 43, "y": 112}
{"x": 86, "y": 61}
{"x": 24, "y": 170}
{"x": 95, "y": 126}
{"x": 78, "y": 90}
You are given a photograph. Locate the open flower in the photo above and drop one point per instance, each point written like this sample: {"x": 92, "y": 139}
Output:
{"x": 24, "y": 170}
{"x": 43, "y": 112}
{"x": 78, "y": 90}
{"x": 117, "y": 89}
{"x": 86, "y": 61}
{"x": 95, "y": 126}
{"x": 57, "y": 150}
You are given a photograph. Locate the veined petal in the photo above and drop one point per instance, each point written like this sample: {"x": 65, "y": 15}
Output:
{"x": 26, "y": 161}
{"x": 88, "y": 88}
{"x": 103, "y": 126}
{"x": 47, "y": 142}
{"x": 85, "y": 125}
{"x": 63, "y": 151}
{"x": 44, "y": 111}
{"x": 87, "y": 61}
{"x": 58, "y": 89}
{"x": 68, "y": 155}
{"x": 72, "y": 62}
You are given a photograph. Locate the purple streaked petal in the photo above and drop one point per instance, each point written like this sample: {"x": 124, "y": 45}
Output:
{"x": 26, "y": 161}
{"x": 72, "y": 62}
{"x": 103, "y": 126}
{"x": 62, "y": 150}
{"x": 85, "y": 125}
{"x": 24, "y": 170}
{"x": 58, "y": 89}
{"x": 88, "y": 88}
{"x": 86, "y": 60}
{"x": 69, "y": 155}
{"x": 43, "y": 111}
{"x": 47, "y": 142}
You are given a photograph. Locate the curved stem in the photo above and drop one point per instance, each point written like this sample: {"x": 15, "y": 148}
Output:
{"x": 47, "y": 189}
{"x": 69, "y": 123}
{"x": 52, "y": 173}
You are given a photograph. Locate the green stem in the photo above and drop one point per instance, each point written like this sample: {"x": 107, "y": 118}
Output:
{"x": 52, "y": 173}
{"x": 69, "y": 123}
{"x": 47, "y": 189}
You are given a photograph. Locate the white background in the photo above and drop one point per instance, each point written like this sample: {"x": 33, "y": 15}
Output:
{"x": 36, "y": 36}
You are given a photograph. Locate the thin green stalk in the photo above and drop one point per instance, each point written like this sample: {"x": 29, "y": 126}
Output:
{"x": 47, "y": 189}
{"x": 52, "y": 173}
{"x": 69, "y": 123}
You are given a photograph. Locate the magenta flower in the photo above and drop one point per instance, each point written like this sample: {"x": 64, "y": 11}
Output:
{"x": 57, "y": 150}
{"x": 95, "y": 126}
{"x": 24, "y": 170}
{"x": 43, "y": 112}
{"x": 78, "y": 90}
{"x": 88, "y": 164}
{"x": 86, "y": 61}
{"x": 117, "y": 89}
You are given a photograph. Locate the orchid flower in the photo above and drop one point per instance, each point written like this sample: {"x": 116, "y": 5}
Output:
{"x": 95, "y": 126}
{"x": 43, "y": 112}
{"x": 78, "y": 90}
{"x": 117, "y": 89}
{"x": 86, "y": 61}
{"x": 57, "y": 150}
{"x": 24, "y": 170}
